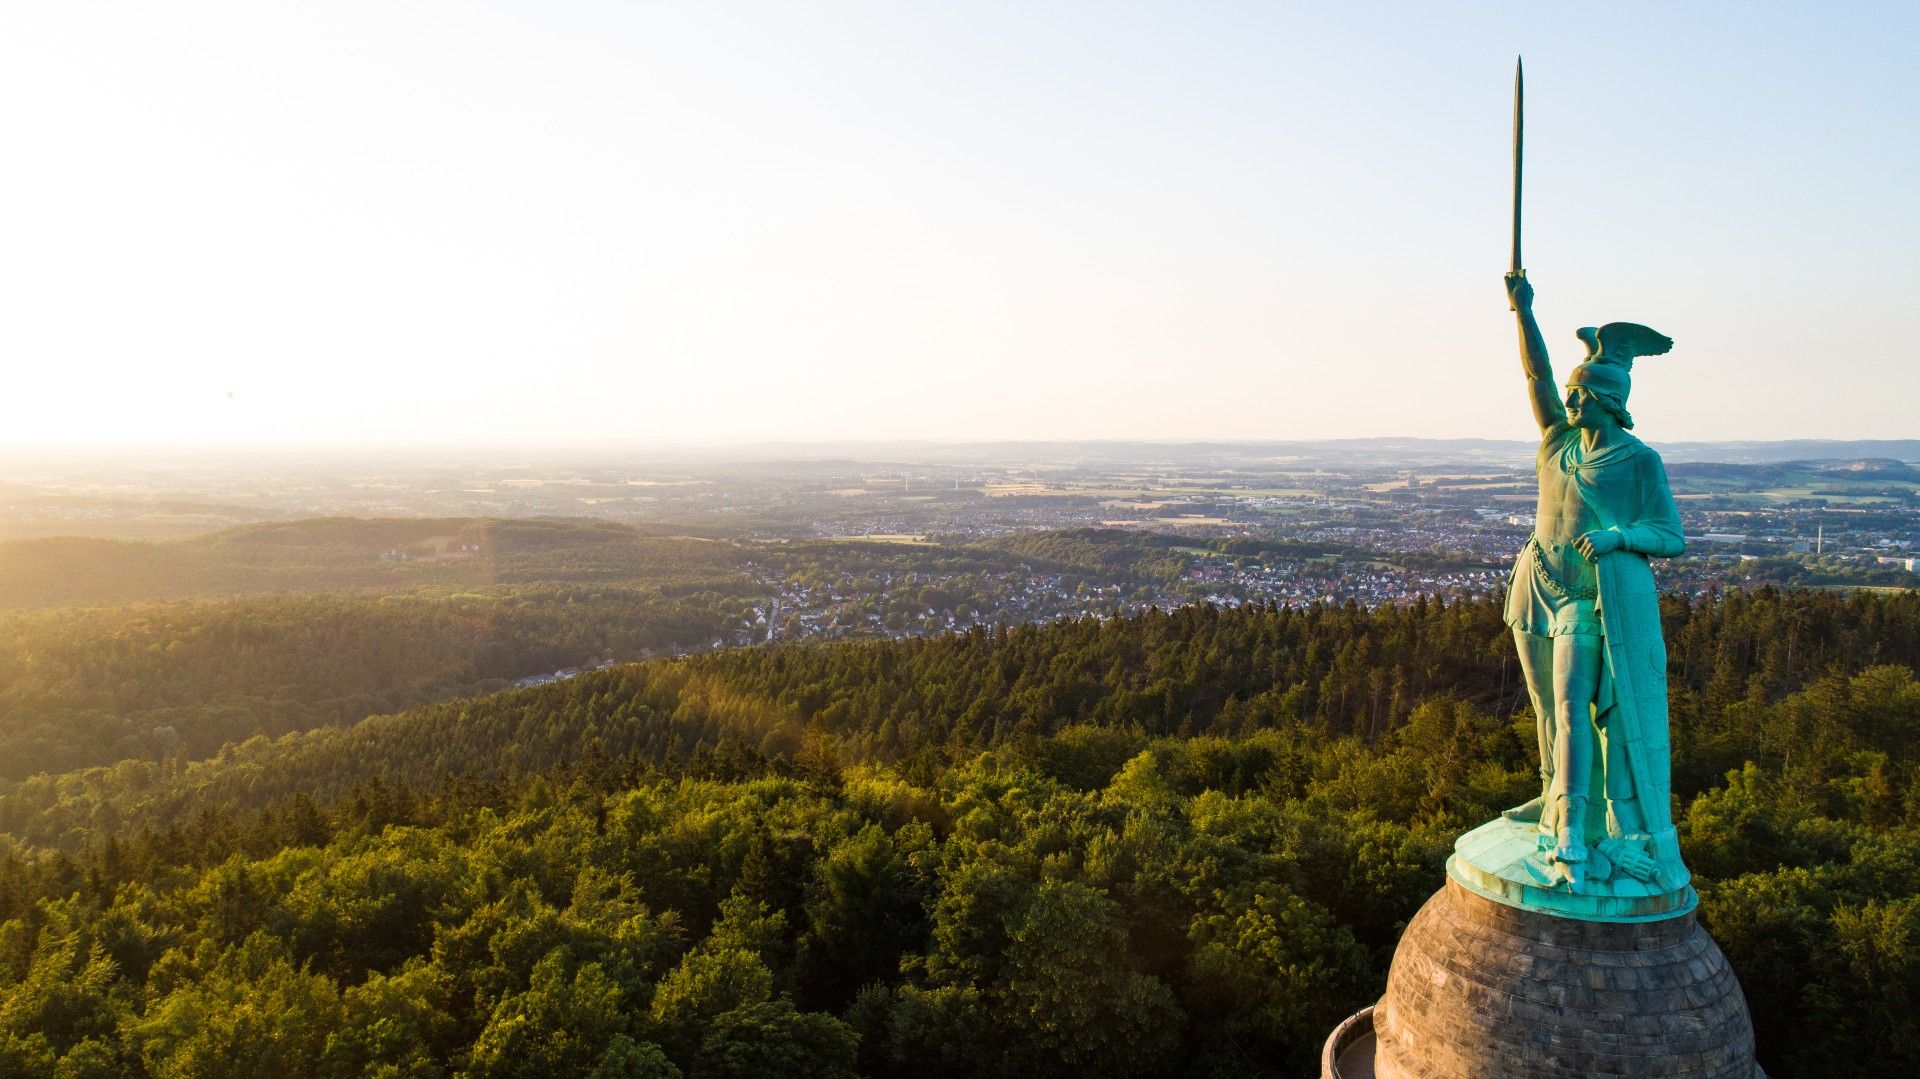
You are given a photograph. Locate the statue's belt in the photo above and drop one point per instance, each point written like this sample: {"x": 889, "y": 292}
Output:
{"x": 1588, "y": 589}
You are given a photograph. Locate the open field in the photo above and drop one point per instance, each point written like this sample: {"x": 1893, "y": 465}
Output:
{"x": 898, "y": 538}
{"x": 1795, "y": 494}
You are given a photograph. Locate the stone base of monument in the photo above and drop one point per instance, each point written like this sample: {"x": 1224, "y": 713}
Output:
{"x": 1483, "y": 990}
{"x": 1510, "y": 862}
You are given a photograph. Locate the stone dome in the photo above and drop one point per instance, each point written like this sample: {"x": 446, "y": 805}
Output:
{"x": 1480, "y": 990}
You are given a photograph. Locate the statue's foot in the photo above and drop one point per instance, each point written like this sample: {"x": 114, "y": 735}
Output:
{"x": 1599, "y": 869}
{"x": 1527, "y": 812}
{"x": 1570, "y": 829}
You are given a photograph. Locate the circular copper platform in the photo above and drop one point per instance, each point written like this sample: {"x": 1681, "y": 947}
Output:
{"x": 1480, "y": 990}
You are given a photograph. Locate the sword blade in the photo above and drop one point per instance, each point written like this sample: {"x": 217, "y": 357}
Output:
{"x": 1519, "y": 91}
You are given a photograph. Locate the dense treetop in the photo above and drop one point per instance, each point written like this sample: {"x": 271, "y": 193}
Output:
{"x": 1179, "y": 843}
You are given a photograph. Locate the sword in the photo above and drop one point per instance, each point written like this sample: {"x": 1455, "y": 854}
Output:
{"x": 1518, "y": 115}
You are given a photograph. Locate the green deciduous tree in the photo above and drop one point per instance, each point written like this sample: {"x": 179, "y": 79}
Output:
{"x": 243, "y": 1011}
{"x": 772, "y": 1038}
{"x": 1073, "y": 995}
{"x": 561, "y": 1025}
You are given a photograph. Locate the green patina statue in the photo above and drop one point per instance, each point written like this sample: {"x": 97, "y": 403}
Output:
{"x": 1598, "y": 842}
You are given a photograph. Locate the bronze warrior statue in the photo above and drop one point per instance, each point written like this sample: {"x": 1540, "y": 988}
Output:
{"x": 1586, "y": 618}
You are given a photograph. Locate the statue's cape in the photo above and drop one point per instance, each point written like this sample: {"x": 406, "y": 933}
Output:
{"x": 1632, "y": 698}
{"x": 1623, "y": 448}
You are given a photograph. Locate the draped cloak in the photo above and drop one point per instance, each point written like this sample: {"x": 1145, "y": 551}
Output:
{"x": 1625, "y": 487}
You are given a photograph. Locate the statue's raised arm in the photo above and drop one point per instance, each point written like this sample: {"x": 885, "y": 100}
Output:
{"x": 1541, "y": 390}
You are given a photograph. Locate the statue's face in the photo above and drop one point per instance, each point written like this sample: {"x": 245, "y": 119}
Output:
{"x": 1585, "y": 411}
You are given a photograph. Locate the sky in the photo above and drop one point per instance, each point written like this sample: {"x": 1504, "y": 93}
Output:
{"x": 597, "y": 224}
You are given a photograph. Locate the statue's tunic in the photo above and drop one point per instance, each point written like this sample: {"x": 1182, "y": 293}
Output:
{"x": 1554, "y": 590}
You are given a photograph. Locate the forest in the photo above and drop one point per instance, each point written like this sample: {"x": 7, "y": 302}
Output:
{"x": 1180, "y": 843}
{"x": 346, "y": 555}
{"x": 142, "y": 651}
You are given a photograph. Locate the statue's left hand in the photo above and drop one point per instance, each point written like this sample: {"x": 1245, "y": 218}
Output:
{"x": 1598, "y": 542}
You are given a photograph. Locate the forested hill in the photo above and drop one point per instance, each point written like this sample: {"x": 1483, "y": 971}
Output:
{"x": 290, "y": 626}
{"x": 921, "y": 703}
{"x": 83, "y": 687}
{"x": 410, "y": 612}
{"x": 339, "y": 554}
{"x": 1179, "y": 843}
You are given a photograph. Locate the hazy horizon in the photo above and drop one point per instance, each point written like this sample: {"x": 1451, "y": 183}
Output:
{"x": 531, "y": 226}
{"x": 878, "y": 452}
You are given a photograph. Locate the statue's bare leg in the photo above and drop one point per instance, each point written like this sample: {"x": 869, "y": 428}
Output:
{"x": 1536, "y": 668}
{"x": 1576, "y": 681}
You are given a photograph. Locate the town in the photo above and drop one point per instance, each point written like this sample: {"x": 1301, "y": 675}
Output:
{"x": 886, "y": 541}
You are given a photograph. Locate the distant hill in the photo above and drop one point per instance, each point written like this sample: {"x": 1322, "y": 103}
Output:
{"x": 1803, "y": 449}
{"x": 347, "y": 554}
{"x": 1880, "y": 468}
{"x": 1316, "y": 453}
{"x": 1760, "y": 476}
{"x": 112, "y": 650}
{"x": 1853, "y": 476}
